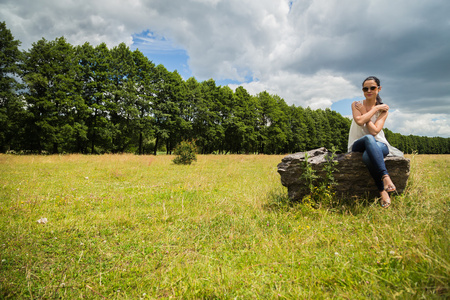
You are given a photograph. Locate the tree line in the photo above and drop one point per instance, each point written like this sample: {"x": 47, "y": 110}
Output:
{"x": 60, "y": 98}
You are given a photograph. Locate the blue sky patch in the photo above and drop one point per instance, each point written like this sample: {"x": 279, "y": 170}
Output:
{"x": 161, "y": 50}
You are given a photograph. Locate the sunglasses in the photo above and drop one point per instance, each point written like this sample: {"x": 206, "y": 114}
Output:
{"x": 372, "y": 88}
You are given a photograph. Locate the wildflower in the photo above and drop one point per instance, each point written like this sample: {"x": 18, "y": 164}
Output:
{"x": 335, "y": 253}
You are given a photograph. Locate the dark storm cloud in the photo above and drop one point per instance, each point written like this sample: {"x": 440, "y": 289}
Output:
{"x": 406, "y": 43}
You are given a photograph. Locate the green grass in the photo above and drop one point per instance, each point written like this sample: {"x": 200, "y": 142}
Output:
{"x": 130, "y": 227}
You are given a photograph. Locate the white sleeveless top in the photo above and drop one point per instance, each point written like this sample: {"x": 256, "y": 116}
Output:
{"x": 357, "y": 132}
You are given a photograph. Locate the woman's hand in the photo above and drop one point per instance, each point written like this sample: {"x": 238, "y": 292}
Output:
{"x": 359, "y": 107}
{"x": 382, "y": 107}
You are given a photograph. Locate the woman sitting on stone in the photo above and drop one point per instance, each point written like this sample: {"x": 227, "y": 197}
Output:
{"x": 367, "y": 136}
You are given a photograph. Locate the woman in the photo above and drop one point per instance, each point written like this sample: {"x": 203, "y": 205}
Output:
{"x": 367, "y": 136}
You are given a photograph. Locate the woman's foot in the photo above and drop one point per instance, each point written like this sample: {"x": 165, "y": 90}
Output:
{"x": 388, "y": 184}
{"x": 385, "y": 200}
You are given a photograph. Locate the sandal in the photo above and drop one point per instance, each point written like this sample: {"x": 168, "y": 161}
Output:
{"x": 390, "y": 187}
{"x": 386, "y": 202}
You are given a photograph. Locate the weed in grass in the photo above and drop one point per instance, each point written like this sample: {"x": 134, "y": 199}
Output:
{"x": 320, "y": 189}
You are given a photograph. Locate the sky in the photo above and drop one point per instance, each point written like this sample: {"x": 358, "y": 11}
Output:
{"x": 312, "y": 53}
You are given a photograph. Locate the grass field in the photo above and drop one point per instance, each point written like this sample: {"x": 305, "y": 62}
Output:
{"x": 140, "y": 227}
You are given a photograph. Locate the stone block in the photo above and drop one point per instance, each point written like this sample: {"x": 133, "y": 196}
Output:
{"x": 352, "y": 177}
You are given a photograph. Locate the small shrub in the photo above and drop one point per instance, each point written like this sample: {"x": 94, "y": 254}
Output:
{"x": 186, "y": 153}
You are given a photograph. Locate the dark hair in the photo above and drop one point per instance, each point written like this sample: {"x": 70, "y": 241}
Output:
{"x": 379, "y": 101}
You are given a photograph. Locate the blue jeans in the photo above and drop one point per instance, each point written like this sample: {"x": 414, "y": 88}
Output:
{"x": 373, "y": 156}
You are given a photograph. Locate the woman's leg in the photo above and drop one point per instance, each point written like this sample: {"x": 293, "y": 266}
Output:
{"x": 373, "y": 157}
{"x": 377, "y": 168}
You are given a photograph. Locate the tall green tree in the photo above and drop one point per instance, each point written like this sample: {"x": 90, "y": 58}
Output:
{"x": 85, "y": 58}
{"x": 50, "y": 72}
{"x": 176, "y": 100}
{"x": 339, "y": 127}
{"x": 298, "y": 130}
{"x": 11, "y": 106}
{"x": 194, "y": 96}
{"x": 167, "y": 107}
{"x": 311, "y": 141}
{"x": 144, "y": 80}
{"x": 232, "y": 123}
{"x": 123, "y": 97}
{"x": 272, "y": 124}
{"x": 96, "y": 92}
{"x": 323, "y": 128}
{"x": 245, "y": 115}
{"x": 225, "y": 103}
{"x": 207, "y": 121}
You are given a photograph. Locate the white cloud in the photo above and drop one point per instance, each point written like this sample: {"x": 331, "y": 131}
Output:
{"x": 317, "y": 91}
{"x": 78, "y": 21}
{"x": 419, "y": 124}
